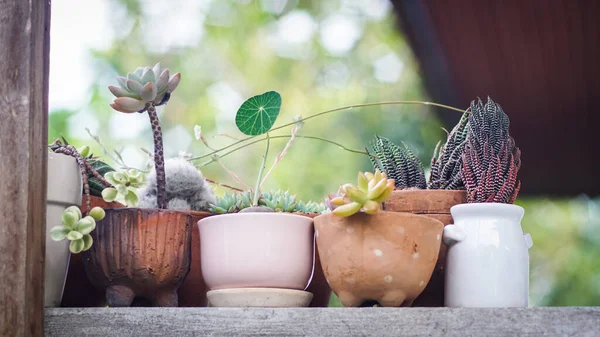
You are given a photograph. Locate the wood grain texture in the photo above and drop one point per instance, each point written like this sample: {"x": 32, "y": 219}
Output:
{"x": 24, "y": 55}
{"x": 382, "y": 322}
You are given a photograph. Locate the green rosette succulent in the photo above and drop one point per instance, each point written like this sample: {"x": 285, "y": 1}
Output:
{"x": 279, "y": 201}
{"x": 125, "y": 185}
{"x": 143, "y": 86}
{"x": 77, "y": 229}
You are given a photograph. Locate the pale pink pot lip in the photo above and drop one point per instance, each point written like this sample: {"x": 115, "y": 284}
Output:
{"x": 207, "y": 221}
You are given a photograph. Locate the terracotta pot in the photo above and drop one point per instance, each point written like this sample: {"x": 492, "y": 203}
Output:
{"x": 435, "y": 204}
{"x": 192, "y": 293}
{"x": 140, "y": 252}
{"x": 387, "y": 257}
{"x": 79, "y": 291}
{"x": 318, "y": 286}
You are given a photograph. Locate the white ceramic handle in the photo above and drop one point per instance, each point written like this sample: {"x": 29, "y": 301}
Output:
{"x": 528, "y": 240}
{"x": 453, "y": 234}
{"x": 312, "y": 273}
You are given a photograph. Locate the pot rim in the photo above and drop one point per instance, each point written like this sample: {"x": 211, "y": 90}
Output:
{"x": 491, "y": 208}
{"x": 397, "y": 214}
{"x": 124, "y": 209}
{"x": 256, "y": 214}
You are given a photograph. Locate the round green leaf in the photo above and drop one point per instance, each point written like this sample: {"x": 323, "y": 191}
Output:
{"x": 76, "y": 246}
{"x": 87, "y": 242}
{"x": 69, "y": 218}
{"x": 73, "y": 236}
{"x": 258, "y": 114}
{"x": 85, "y": 226}
{"x": 109, "y": 194}
{"x": 131, "y": 199}
{"x": 59, "y": 233}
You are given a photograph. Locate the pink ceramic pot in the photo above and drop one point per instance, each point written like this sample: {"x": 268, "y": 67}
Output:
{"x": 267, "y": 250}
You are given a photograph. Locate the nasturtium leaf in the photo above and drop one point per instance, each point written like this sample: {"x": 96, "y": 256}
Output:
{"x": 258, "y": 114}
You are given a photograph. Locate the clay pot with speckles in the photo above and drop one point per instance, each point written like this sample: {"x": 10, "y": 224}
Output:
{"x": 387, "y": 257}
{"x": 435, "y": 204}
{"x": 140, "y": 253}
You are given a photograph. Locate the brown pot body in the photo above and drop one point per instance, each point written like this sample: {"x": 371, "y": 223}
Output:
{"x": 387, "y": 257}
{"x": 79, "y": 291}
{"x": 435, "y": 204}
{"x": 140, "y": 253}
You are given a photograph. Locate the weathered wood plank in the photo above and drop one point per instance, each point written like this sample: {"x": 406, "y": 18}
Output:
{"x": 24, "y": 55}
{"x": 397, "y": 322}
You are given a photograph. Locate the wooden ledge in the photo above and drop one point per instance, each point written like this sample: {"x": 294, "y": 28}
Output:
{"x": 117, "y": 322}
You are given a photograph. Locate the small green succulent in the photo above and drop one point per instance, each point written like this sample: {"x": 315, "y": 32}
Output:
{"x": 311, "y": 207}
{"x": 279, "y": 201}
{"x": 125, "y": 185}
{"x": 228, "y": 203}
{"x": 77, "y": 229}
{"x": 143, "y": 86}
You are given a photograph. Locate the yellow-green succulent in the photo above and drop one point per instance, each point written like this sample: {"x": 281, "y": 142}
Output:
{"x": 367, "y": 196}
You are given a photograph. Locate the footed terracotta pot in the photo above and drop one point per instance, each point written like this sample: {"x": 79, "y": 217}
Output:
{"x": 140, "y": 253}
{"x": 435, "y": 204}
{"x": 387, "y": 257}
{"x": 79, "y": 291}
{"x": 192, "y": 293}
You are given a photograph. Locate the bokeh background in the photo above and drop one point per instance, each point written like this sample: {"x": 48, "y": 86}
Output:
{"x": 318, "y": 55}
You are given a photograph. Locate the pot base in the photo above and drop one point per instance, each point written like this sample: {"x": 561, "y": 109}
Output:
{"x": 259, "y": 297}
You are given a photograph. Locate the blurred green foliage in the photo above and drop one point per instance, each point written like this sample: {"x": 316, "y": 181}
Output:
{"x": 229, "y": 50}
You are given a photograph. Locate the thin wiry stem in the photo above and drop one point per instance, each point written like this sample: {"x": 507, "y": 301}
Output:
{"x": 260, "y": 173}
{"x": 349, "y": 107}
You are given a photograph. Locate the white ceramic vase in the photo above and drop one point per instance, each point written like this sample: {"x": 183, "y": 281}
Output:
{"x": 64, "y": 190}
{"x": 487, "y": 260}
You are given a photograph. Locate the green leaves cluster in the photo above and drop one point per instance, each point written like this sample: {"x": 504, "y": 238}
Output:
{"x": 125, "y": 185}
{"x": 77, "y": 229}
{"x": 278, "y": 200}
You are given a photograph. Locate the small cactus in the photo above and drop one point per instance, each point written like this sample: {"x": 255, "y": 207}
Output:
{"x": 125, "y": 185}
{"x": 372, "y": 190}
{"x": 77, "y": 229}
{"x": 143, "y": 86}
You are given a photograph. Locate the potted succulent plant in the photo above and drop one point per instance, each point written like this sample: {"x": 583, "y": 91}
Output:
{"x": 141, "y": 252}
{"x": 267, "y": 251}
{"x": 488, "y": 259}
{"x": 369, "y": 255}
{"x": 282, "y": 201}
{"x": 433, "y": 198}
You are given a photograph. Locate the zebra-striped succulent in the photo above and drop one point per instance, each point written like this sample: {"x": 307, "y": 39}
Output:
{"x": 491, "y": 159}
{"x": 398, "y": 163}
{"x": 446, "y": 162}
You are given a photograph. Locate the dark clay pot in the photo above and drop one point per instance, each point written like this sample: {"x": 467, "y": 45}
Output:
{"x": 140, "y": 253}
{"x": 435, "y": 204}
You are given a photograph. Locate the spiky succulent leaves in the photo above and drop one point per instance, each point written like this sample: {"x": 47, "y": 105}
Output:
{"x": 491, "y": 160}
{"x": 446, "y": 162}
{"x": 310, "y": 207}
{"x": 398, "y": 163}
{"x": 279, "y": 201}
{"x": 226, "y": 204}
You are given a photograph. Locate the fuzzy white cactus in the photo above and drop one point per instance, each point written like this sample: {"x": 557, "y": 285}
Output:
{"x": 185, "y": 188}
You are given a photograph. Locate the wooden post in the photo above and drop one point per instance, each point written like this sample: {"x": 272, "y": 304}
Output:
{"x": 24, "y": 55}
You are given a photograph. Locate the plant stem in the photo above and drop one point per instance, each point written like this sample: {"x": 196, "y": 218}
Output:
{"x": 288, "y": 136}
{"x": 329, "y": 111}
{"x": 260, "y": 172}
{"x": 159, "y": 158}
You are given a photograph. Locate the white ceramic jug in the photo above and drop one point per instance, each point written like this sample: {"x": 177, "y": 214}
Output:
{"x": 487, "y": 259}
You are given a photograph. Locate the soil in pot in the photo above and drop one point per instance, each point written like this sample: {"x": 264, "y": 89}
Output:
{"x": 140, "y": 253}
{"x": 435, "y": 204}
{"x": 387, "y": 257}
